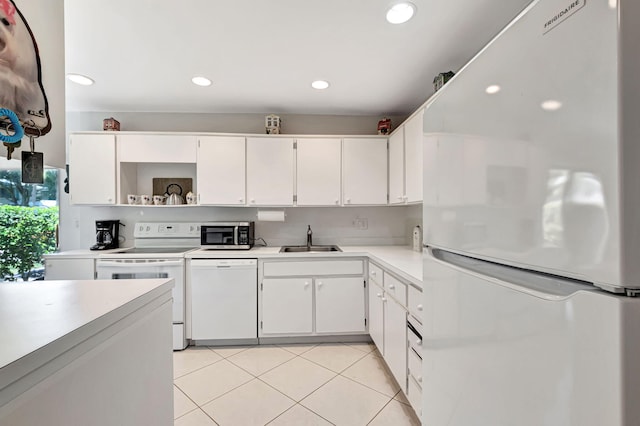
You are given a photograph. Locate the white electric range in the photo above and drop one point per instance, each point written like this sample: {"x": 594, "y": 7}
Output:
{"x": 158, "y": 252}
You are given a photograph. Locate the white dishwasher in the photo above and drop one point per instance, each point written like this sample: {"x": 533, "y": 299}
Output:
{"x": 224, "y": 300}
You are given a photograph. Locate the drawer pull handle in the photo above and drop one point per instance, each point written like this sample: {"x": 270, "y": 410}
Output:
{"x": 392, "y": 286}
{"x": 379, "y": 295}
{"x": 373, "y": 273}
{"x": 306, "y": 283}
{"x": 319, "y": 283}
{"x": 419, "y": 342}
{"x": 420, "y": 307}
{"x": 420, "y": 379}
{"x": 384, "y": 299}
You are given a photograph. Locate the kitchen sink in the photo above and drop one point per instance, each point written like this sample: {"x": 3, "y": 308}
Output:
{"x": 305, "y": 249}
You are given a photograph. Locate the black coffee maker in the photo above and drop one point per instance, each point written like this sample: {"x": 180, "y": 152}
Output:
{"x": 106, "y": 234}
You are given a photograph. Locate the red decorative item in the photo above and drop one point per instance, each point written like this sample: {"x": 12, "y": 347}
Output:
{"x": 384, "y": 126}
{"x": 110, "y": 124}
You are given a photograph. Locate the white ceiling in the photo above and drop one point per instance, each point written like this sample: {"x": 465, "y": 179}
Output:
{"x": 263, "y": 54}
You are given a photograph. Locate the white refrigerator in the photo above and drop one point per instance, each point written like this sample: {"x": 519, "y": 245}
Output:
{"x": 531, "y": 218}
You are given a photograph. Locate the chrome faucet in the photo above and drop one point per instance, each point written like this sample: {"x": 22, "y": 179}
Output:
{"x": 309, "y": 237}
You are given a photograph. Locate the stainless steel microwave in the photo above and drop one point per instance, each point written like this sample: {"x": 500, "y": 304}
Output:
{"x": 227, "y": 235}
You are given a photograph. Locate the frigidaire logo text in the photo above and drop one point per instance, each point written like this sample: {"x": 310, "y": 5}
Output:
{"x": 563, "y": 14}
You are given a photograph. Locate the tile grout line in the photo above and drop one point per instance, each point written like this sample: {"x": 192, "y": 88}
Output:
{"x": 199, "y": 368}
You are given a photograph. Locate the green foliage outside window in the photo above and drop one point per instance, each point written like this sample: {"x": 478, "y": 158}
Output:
{"x": 26, "y": 233}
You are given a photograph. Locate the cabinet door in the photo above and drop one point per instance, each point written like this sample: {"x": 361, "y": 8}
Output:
{"x": 340, "y": 305}
{"x": 155, "y": 148}
{"x": 364, "y": 168}
{"x": 396, "y": 167}
{"x": 92, "y": 169}
{"x": 69, "y": 269}
{"x": 413, "y": 136}
{"x": 395, "y": 340}
{"x": 223, "y": 302}
{"x": 376, "y": 318}
{"x": 287, "y": 306}
{"x": 270, "y": 171}
{"x": 318, "y": 172}
{"x": 221, "y": 170}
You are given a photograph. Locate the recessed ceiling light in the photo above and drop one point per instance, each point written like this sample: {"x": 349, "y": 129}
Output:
{"x": 80, "y": 79}
{"x": 493, "y": 89}
{"x": 400, "y": 13}
{"x": 201, "y": 81}
{"x": 551, "y": 105}
{"x": 320, "y": 84}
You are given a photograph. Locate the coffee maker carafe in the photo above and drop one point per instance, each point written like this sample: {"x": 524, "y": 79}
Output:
{"x": 106, "y": 235}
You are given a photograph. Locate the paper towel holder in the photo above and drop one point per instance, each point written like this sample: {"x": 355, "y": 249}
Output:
{"x": 271, "y": 215}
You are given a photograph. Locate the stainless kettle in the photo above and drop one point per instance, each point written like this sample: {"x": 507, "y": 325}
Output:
{"x": 175, "y": 199}
{"x": 173, "y": 195}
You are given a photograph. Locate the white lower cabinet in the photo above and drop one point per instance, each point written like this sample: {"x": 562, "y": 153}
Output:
{"x": 287, "y": 305}
{"x": 395, "y": 340}
{"x": 388, "y": 327}
{"x": 376, "y": 315}
{"x": 69, "y": 269}
{"x": 330, "y": 299}
{"x": 340, "y": 305}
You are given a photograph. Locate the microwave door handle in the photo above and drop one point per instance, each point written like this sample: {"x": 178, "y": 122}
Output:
{"x": 127, "y": 265}
{"x": 236, "y": 231}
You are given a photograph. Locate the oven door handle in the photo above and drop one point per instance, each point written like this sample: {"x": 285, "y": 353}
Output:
{"x": 116, "y": 264}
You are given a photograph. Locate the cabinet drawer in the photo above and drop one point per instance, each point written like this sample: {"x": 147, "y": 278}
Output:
{"x": 375, "y": 273}
{"x": 314, "y": 268}
{"x": 414, "y": 395}
{"x": 415, "y": 367}
{"x": 415, "y": 303}
{"x": 415, "y": 341}
{"x": 395, "y": 288}
{"x": 157, "y": 148}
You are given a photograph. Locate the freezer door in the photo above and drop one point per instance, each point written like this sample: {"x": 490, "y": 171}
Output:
{"x": 528, "y": 351}
{"x": 523, "y": 161}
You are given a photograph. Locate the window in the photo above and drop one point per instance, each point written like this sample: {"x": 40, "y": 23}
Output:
{"x": 28, "y": 222}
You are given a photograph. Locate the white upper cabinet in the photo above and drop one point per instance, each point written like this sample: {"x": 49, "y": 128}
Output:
{"x": 405, "y": 162}
{"x": 318, "y": 172}
{"x": 155, "y": 148}
{"x": 270, "y": 162}
{"x": 92, "y": 169}
{"x": 396, "y": 167}
{"x": 364, "y": 171}
{"x": 413, "y": 136}
{"x": 221, "y": 170}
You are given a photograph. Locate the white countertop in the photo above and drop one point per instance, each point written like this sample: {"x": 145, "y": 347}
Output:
{"x": 39, "y": 321}
{"x": 400, "y": 260}
{"x": 83, "y": 254}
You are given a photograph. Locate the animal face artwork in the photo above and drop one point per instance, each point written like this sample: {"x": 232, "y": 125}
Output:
{"x": 21, "y": 87}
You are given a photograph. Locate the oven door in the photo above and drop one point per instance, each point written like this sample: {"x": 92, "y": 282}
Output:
{"x": 126, "y": 269}
{"x": 218, "y": 236}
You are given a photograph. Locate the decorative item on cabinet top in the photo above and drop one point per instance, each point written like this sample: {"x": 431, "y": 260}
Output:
{"x": 384, "y": 126}
{"x": 110, "y": 124}
{"x": 440, "y": 79}
{"x": 272, "y": 124}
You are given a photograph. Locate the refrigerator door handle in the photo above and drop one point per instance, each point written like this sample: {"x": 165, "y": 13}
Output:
{"x": 538, "y": 284}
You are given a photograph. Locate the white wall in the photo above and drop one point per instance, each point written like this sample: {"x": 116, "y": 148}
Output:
{"x": 330, "y": 225}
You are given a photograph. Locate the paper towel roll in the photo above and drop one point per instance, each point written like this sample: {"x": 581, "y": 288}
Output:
{"x": 271, "y": 215}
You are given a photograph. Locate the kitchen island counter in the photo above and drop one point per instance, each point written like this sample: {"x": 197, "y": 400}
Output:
{"x": 78, "y": 336}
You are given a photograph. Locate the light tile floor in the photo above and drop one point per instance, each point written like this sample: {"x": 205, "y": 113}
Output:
{"x": 287, "y": 385}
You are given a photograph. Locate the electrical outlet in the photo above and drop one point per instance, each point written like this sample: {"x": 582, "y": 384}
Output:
{"x": 361, "y": 223}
